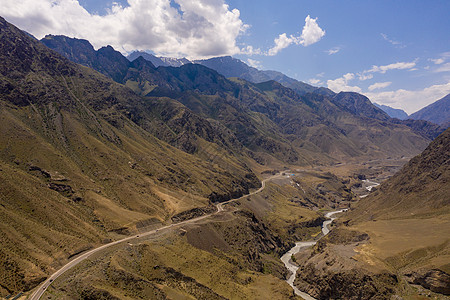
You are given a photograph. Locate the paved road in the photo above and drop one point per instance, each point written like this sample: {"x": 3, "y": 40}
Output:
{"x": 40, "y": 290}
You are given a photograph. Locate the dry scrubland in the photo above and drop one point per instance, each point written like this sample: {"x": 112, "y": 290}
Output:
{"x": 85, "y": 160}
{"x": 395, "y": 241}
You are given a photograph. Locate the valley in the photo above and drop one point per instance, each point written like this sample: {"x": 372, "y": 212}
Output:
{"x": 121, "y": 179}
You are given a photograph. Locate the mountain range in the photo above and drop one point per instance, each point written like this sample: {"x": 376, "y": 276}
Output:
{"x": 95, "y": 147}
{"x": 150, "y": 81}
{"x": 437, "y": 113}
{"x": 395, "y": 236}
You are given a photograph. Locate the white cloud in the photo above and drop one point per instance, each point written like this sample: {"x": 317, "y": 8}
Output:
{"x": 341, "y": 84}
{"x": 363, "y": 77}
{"x": 196, "y": 29}
{"x": 249, "y": 50}
{"x": 395, "y": 43}
{"x": 311, "y": 34}
{"x": 437, "y": 61}
{"x": 443, "y": 65}
{"x": 379, "y": 85}
{"x": 443, "y": 58}
{"x": 443, "y": 68}
{"x": 315, "y": 81}
{"x": 368, "y": 74}
{"x": 394, "y": 66}
{"x": 281, "y": 42}
{"x": 411, "y": 101}
{"x": 333, "y": 50}
{"x": 254, "y": 63}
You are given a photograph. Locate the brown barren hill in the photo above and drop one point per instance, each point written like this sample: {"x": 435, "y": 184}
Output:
{"x": 422, "y": 187}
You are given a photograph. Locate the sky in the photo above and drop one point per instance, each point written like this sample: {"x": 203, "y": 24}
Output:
{"x": 395, "y": 52}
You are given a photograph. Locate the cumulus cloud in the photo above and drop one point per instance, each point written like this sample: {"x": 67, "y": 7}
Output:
{"x": 408, "y": 100}
{"x": 311, "y": 34}
{"x": 281, "y": 42}
{"x": 196, "y": 29}
{"x": 379, "y": 85}
{"x": 249, "y": 50}
{"x": 341, "y": 84}
{"x": 254, "y": 63}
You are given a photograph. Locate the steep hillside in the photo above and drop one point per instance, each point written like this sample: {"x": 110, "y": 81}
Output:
{"x": 359, "y": 105}
{"x": 437, "y": 112}
{"x": 79, "y": 164}
{"x": 105, "y": 60}
{"x": 275, "y": 121}
{"x": 394, "y": 241}
{"x": 420, "y": 188}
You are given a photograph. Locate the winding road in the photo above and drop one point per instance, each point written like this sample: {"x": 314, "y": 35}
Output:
{"x": 40, "y": 290}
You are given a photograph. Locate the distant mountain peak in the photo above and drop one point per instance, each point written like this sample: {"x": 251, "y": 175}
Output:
{"x": 393, "y": 112}
{"x": 359, "y": 105}
{"x": 437, "y": 112}
{"x": 159, "y": 61}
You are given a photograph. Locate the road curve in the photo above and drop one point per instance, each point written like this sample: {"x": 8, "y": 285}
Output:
{"x": 40, "y": 290}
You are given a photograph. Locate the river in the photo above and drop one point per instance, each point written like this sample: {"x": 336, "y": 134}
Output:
{"x": 369, "y": 186}
{"x": 286, "y": 258}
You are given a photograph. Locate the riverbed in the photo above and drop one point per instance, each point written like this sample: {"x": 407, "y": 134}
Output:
{"x": 286, "y": 258}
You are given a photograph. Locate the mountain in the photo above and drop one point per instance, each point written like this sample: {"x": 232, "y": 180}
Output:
{"x": 426, "y": 129}
{"x": 105, "y": 60}
{"x": 110, "y": 148}
{"x": 360, "y": 105}
{"x": 79, "y": 51}
{"x": 174, "y": 62}
{"x": 393, "y": 112}
{"x": 232, "y": 67}
{"x": 83, "y": 158}
{"x": 391, "y": 241}
{"x": 352, "y": 102}
{"x": 437, "y": 112}
{"x": 420, "y": 188}
{"x": 158, "y": 61}
{"x": 415, "y": 202}
{"x": 270, "y": 119}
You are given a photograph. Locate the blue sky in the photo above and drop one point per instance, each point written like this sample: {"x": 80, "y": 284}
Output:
{"x": 395, "y": 52}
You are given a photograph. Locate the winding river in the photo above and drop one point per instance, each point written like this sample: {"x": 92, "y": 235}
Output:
{"x": 286, "y": 258}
